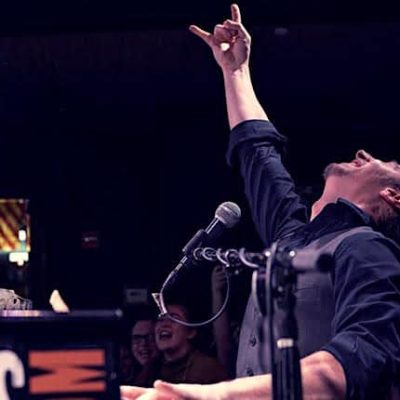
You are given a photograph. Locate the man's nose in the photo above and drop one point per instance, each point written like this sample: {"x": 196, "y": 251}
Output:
{"x": 363, "y": 155}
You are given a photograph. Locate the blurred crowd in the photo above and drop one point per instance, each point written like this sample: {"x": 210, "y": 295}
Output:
{"x": 157, "y": 347}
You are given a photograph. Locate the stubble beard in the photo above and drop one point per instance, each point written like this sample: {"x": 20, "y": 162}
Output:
{"x": 334, "y": 169}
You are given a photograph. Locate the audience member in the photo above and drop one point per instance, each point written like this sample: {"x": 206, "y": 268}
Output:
{"x": 180, "y": 360}
{"x": 139, "y": 347}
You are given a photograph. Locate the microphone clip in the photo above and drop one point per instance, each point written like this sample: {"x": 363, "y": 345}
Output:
{"x": 196, "y": 241}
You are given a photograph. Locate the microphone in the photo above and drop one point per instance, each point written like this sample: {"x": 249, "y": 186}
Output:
{"x": 227, "y": 215}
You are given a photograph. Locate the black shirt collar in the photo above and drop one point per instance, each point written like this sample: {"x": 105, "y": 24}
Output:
{"x": 365, "y": 218}
{"x": 335, "y": 217}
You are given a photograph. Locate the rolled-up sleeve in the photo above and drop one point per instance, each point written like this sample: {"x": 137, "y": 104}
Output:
{"x": 263, "y": 132}
{"x": 366, "y": 326}
{"x": 256, "y": 146}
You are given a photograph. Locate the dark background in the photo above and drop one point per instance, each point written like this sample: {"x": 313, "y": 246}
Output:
{"x": 112, "y": 119}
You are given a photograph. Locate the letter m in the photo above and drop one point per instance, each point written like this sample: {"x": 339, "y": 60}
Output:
{"x": 66, "y": 371}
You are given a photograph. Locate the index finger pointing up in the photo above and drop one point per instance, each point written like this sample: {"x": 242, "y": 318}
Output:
{"x": 235, "y": 11}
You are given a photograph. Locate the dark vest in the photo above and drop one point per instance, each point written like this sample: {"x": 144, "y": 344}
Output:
{"x": 314, "y": 312}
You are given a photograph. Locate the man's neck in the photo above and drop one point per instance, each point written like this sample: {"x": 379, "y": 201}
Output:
{"x": 336, "y": 187}
{"x": 320, "y": 204}
{"x": 332, "y": 192}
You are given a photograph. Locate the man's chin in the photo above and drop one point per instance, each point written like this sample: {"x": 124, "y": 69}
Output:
{"x": 335, "y": 169}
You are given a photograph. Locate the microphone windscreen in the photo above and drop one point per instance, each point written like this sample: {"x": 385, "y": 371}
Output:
{"x": 228, "y": 213}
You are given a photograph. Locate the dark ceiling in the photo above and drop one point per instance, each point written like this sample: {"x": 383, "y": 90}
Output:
{"x": 112, "y": 118}
{"x": 86, "y": 15}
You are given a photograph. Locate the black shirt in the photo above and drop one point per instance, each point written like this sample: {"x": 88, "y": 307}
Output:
{"x": 366, "y": 323}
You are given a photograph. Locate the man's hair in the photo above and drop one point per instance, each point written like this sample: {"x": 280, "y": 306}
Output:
{"x": 389, "y": 180}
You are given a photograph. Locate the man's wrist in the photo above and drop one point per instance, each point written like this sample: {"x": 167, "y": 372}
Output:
{"x": 239, "y": 72}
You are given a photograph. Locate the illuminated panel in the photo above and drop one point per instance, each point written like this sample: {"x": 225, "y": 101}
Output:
{"x": 14, "y": 226}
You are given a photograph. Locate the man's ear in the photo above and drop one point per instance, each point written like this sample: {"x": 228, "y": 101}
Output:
{"x": 391, "y": 196}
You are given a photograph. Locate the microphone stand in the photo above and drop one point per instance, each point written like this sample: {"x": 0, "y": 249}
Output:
{"x": 287, "y": 372}
{"x": 276, "y": 270}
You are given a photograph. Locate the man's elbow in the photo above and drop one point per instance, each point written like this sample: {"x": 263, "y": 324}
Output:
{"x": 323, "y": 374}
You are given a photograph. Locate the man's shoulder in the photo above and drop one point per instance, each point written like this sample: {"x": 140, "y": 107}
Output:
{"x": 366, "y": 243}
{"x": 366, "y": 234}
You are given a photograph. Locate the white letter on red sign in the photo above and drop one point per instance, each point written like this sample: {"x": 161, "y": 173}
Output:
{"x": 10, "y": 362}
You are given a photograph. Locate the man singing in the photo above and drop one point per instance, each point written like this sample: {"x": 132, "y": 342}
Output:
{"x": 350, "y": 322}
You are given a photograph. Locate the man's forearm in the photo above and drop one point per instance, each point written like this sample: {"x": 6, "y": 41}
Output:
{"x": 241, "y": 100}
{"x": 322, "y": 378}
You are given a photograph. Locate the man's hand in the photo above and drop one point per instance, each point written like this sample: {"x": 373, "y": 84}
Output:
{"x": 139, "y": 393}
{"x": 168, "y": 391}
{"x": 218, "y": 281}
{"x": 188, "y": 391}
{"x": 230, "y": 42}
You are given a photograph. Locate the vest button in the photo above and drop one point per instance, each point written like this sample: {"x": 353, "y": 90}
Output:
{"x": 253, "y": 341}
